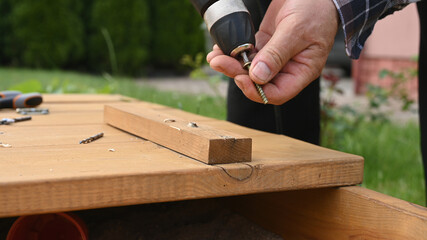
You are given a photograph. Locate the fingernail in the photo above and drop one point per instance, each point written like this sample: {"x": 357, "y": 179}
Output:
{"x": 261, "y": 71}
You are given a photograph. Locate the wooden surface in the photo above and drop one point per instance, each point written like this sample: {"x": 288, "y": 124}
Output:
{"x": 46, "y": 170}
{"x": 194, "y": 139}
{"x": 334, "y": 213}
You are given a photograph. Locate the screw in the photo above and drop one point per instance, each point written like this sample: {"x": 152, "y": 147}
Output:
{"x": 91, "y": 139}
{"x": 247, "y": 65}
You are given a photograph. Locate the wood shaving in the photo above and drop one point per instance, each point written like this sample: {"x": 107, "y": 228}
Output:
{"x": 5, "y": 145}
{"x": 179, "y": 129}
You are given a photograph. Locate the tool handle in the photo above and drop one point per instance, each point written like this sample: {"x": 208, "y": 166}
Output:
{"x": 9, "y": 94}
{"x": 22, "y": 101}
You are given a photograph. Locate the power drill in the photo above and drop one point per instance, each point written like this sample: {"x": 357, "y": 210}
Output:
{"x": 231, "y": 27}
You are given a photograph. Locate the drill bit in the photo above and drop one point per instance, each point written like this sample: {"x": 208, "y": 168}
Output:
{"x": 93, "y": 138}
{"x": 7, "y": 121}
{"x": 247, "y": 65}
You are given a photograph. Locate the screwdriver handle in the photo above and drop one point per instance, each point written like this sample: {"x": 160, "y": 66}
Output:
{"x": 26, "y": 100}
{"x": 9, "y": 94}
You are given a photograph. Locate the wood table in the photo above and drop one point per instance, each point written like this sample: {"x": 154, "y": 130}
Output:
{"x": 47, "y": 170}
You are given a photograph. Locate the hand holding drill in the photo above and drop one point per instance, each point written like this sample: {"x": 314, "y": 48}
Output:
{"x": 292, "y": 45}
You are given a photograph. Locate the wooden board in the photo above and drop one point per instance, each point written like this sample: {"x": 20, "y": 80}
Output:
{"x": 194, "y": 139}
{"x": 85, "y": 98}
{"x": 46, "y": 170}
{"x": 334, "y": 213}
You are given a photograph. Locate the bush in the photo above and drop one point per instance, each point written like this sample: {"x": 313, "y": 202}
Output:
{"x": 46, "y": 34}
{"x": 125, "y": 26}
{"x": 176, "y": 32}
{"x": 121, "y": 37}
{"x": 4, "y": 30}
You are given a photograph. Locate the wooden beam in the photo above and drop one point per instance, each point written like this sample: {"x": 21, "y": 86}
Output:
{"x": 334, "y": 213}
{"x": 196, "y": 140}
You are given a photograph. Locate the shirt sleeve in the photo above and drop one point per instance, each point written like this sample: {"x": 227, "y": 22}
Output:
{"x": 358, "y": 18}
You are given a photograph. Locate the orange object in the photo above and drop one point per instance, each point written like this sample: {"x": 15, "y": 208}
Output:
{"x": 66, "y": 226}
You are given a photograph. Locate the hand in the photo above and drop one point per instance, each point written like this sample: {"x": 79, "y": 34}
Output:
{"x": 292, "y": 45}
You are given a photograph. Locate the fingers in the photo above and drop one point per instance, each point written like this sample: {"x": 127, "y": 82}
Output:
{"x": 274, "y": 55}
{"x": 248, "y": 88}
{"x": 227, "y": 65}
{"x": 283, "y": 87}
{"x": 216, "y": 51}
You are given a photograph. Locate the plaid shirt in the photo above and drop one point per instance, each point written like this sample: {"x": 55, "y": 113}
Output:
{"x": 358, "y": 18}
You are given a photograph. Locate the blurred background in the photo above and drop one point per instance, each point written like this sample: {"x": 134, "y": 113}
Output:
{"x": 120, "y": 37}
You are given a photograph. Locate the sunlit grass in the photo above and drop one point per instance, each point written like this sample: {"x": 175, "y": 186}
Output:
{"x": 71, "y": 82}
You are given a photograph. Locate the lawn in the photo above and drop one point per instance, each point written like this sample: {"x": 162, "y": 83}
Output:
{"x": 71, "y": 82}
{"x": 392, "y": 158}
{"x": 391, "y": 151}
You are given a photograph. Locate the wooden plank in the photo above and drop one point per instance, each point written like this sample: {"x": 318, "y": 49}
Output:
{"x": 47, "y": 171}
{"x": 41, "y": 179}
{"x": 56, "y": 119}
{"x": 85, "y": 98}
{"x": 334, "y": 213}
{"x": 199, "y": 141}
{"x": 58, "y": 135}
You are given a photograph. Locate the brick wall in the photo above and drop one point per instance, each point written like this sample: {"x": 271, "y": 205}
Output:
{"x": 366, "y": 70}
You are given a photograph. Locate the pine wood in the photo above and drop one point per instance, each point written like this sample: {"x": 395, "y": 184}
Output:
{"x": 201, "y": 142}
{"x": 84, "y": 98}
{"x": 46, "y": 170}
{"x": 334, "y": 213}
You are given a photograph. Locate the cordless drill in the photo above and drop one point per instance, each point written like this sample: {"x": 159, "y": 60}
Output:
{"x": 231, "y": 27}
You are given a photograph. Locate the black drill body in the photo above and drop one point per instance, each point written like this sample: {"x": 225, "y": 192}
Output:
{"x": 231, "y": 27}
{"x": 229, "y": 24}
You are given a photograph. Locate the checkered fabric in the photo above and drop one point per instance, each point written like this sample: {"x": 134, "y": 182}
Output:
{"x": 358, "y": 18}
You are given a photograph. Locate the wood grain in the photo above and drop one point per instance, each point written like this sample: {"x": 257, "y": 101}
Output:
{"x": 46, "y": 170}
{"x": 334, "y": 213}
{"x": 85, "y": 98}
{"x": 197, "y": 140}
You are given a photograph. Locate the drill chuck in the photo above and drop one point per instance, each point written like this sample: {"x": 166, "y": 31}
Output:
{"x": 229, "y": 24}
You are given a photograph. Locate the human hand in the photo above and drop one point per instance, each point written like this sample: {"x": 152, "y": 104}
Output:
{"x": 292, "y": 45}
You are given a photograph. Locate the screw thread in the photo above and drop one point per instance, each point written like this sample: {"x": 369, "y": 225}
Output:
{"x": 261, "y": 93}
{"x": 247, "y": 65}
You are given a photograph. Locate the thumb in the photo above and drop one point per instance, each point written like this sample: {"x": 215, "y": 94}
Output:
{"x": 276, "y": 53}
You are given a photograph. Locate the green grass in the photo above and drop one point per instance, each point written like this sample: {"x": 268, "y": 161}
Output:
{"x": 392, "y": 154}
{"x": 70, "y": 82}
{"x": 393, "y": 164}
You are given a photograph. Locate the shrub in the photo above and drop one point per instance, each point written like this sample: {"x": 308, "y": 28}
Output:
{"x": 4, "y": 30}
{"x": 125, "y": 26}
{"x": 121, "y": 37}
{"x": 176, "y": 32}
{"x": 46, "y": 34}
